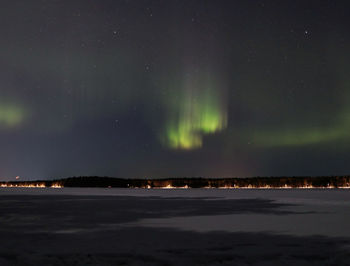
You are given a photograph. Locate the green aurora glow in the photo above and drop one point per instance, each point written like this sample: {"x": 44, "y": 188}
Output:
{"x": 10, "y": 116}
{"x": 198, "y": 110}
{"x": 303, "y": 136}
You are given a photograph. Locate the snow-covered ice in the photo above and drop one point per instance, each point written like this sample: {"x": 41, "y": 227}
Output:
{"x": 95, "y": 226}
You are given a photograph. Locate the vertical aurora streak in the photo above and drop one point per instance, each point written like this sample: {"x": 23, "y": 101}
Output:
{"x": 199, "y": 109}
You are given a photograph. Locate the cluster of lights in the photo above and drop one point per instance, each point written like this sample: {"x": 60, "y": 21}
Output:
{"x": 169, "y": 186}
{"x": 31, "y": 185}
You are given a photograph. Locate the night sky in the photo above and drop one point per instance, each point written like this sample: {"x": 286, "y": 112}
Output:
{"x": 174, "y": 88}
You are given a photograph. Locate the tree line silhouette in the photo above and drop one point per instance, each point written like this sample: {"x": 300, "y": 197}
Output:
{"x": 190, "y": 182}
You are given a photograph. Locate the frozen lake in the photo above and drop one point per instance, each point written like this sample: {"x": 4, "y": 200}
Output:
{"x": 81, "y": 226}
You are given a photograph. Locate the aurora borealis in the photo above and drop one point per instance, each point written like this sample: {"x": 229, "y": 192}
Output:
{"x": 174, "y": 88}
{"x": 196, "y": 110}
{"x": 10, "y": 115}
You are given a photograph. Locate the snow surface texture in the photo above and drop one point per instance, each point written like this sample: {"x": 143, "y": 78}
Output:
{"x": 174, "y": 227}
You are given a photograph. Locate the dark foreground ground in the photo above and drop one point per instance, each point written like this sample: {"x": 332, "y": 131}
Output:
{"x": 106, "y": 230}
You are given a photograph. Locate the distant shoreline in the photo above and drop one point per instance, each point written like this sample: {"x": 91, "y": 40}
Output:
{"x": 307, "y": 182}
